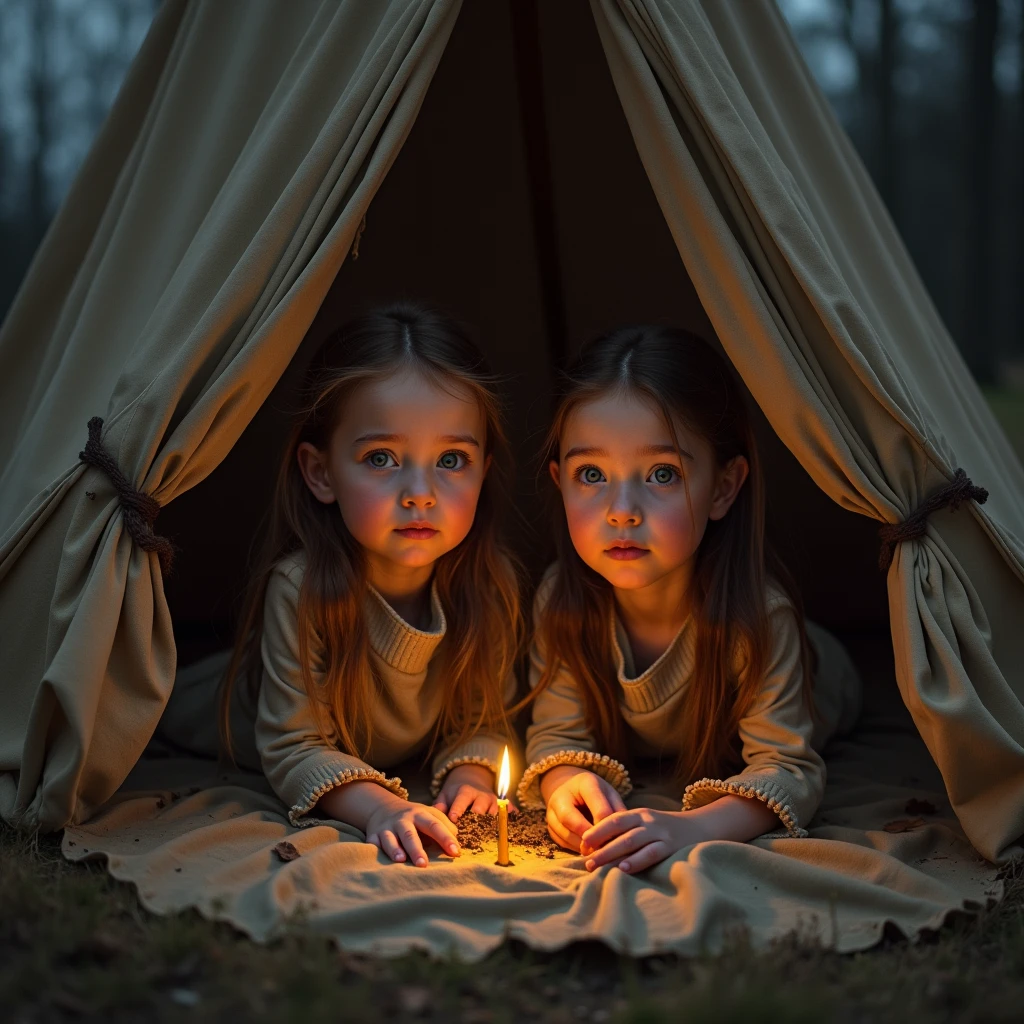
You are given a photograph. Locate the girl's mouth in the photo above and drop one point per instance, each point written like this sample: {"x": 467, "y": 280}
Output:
{"x": 625, "y": 552}
{"x": 418, "y": 531}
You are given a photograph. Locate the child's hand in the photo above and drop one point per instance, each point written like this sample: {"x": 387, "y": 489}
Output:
{"x": 568, "y": 792}
{"x": 467, "y": 787}
{"x": 637, "y": 839}
{"x": 394, "y": 827}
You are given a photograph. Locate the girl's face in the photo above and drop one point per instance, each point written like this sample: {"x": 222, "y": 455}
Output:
{"x": 405, "y": 465}
{"x": 636, "y": 508}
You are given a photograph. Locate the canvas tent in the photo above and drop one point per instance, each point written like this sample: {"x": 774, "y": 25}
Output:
{"x": 573, "y": 167}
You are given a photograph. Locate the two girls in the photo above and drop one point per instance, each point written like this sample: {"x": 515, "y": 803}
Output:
{"x": 384, "y": 617}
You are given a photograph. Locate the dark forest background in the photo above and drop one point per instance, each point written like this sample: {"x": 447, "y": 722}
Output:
{"x": 930, "y": 91}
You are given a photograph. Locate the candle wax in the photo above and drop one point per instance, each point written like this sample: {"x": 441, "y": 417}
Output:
{"x": 503, "y": 833}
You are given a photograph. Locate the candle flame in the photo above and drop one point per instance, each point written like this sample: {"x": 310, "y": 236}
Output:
{"x": 503, "y": 776}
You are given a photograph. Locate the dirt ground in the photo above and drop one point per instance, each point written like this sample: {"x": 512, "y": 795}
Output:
{"x": 75, "y": 945}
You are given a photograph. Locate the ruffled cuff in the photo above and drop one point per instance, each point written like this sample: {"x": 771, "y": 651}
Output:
{"x": 325, "y": 777}
{"x": 529, "y": 795}
{"x": 768, "y": 791}
{"x": 483, "y": 750}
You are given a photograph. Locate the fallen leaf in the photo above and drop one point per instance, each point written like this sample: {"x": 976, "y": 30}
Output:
{"x": 915, "y": 806}
{"x": 286, "y": 852}
{"x": 413, "y": 999}
{"x": 903, "y": 825}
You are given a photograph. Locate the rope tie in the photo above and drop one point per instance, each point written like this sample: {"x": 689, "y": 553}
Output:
{"x": 951, "y": 495}
{"x": 138, "y": 508}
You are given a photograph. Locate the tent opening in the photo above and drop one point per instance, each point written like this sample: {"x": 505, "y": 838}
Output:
{"x": 518, "y": 203}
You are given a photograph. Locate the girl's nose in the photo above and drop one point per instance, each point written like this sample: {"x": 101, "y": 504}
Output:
{"x": 417, "y": 492}
{"x": 625, "y": 517}
{"x": 623, "y": 511}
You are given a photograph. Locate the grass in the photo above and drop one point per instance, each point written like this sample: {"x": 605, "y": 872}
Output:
{"x": 74, "y": 945}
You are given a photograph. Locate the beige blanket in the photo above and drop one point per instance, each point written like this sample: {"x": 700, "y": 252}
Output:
{"x": 884, "y": 848}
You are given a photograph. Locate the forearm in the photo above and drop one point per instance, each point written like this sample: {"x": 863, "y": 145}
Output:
{"x": 737, "y": 818}
{"x": 355, "y": 802}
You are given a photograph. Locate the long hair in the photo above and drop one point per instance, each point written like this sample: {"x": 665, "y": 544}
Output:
{"x": 477, "y": 582}
{"x": 687, "y": 380}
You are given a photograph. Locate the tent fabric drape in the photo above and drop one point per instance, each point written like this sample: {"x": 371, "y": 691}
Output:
{"x": 819, "y": 308}
{"x": 169, "y": 295}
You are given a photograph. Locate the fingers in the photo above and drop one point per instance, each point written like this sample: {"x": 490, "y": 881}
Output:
{"x": 411, "y": 841}
{"x": 485, "y": 803}
{"x": 646, "y": 857}
{"x": 561, "y": 834}
{"x": 441, "y": 803}
{"x": 463, "y": 799}
{"x": 391, "y": 846}
{"x": 601, "y": 799}
{"x": 569, "y": 816}
{"x": 618, "y": 849}
{"x": 614, "y": 825}
{"x": 442, "y": 819}
{"x": 439, "y": 829}
{"x": 469, "y": 798}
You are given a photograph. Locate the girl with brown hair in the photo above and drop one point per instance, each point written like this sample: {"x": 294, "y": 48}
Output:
{"x": 667, "y": 629}
{"x": 383, "y": 615}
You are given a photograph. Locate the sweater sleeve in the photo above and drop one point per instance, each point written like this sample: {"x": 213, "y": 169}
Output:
{"x": 782, "y": 769}
{"x": 483, "y": 748}
{"x": 559, "y": 733}
{"x": 300, "y": 764}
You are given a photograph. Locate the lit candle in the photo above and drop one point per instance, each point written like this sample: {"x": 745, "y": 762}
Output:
{"x": 503, "y": 777}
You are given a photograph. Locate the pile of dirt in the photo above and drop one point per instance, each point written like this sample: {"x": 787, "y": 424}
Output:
{"x": 527, "y": 832}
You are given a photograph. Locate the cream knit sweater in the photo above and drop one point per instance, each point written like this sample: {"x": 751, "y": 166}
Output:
{"x": 780, "y": 741}
{"x": 300, "y": 765}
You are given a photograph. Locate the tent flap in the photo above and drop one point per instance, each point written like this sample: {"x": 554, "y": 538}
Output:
{"x": 203, "y": 263}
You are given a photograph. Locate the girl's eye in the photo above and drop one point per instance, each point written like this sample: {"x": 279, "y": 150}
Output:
{"x": 381, "y": 460}
{"x": 590, "y": 475}
{"x": 664, "y": 475}
{"x": 453, "y": 460}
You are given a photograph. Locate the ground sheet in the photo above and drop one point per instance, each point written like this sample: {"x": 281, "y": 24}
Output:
{"x": 883, "y": 849}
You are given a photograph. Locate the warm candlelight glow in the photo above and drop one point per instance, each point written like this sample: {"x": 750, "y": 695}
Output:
{"x": 503, "y": 776}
